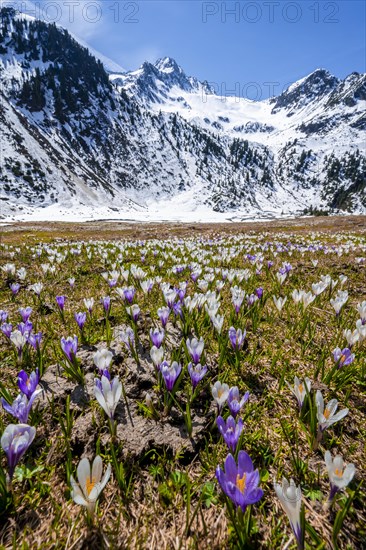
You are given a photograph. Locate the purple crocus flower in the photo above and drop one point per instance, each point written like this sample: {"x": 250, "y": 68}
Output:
{"x": 7, "y": 328}
{"x": 106, "y": 301}
{"x": 129, "y": 294}
{"x": 15, "y": 441}
{"x": 80, "y": 318}
{"x": 196, "y": 372}
{"x": 60, "y": 300}
{"x": 35, "y": 340}
{"x": 157, "y": 337}
{"x": 21, "y": 406}
{"x": 25, "y": 328}
{"x": 237, "y": 338}
{"x": 15, "y": 287}
{"x": 70, "y": 346}
{"x": 177, "y": 309}
{"x": 251, "y": 299}
{"x": 230, "y": 431}
{"x": 170, "y": 373}
{"x": 343, "y": 357}
{"x": 28, "y": 384}
{"x": 128, "y": 337}
{"x": 240, "y": 482}
{"x": 259, "y": 292}
{"x": 195, "y": 348}
{"x": 112, "y": 283}
{"x": 269, "y": 264}
{"x": 3, "y": 316}
{"x": 163, "y": 313}
{"x": 234, "y": 402}
{"x": 25, "y": 313}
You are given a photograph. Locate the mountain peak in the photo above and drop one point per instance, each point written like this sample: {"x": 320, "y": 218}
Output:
{"x": 168, "y": 65}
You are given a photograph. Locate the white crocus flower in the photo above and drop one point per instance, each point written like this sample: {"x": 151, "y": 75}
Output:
{"x": 299, "y": 389}
{"x": 339, "y": 474}
{"x": 307, "y": 299}
{"x": 18, "y": 339}
{"x": 103, "y": 359}
{"x": 339, "y": 301}
{"x": 195, "y": 348}
{"x": 351, "y": 336}
{"x": 37, "y": 288}
{"x": 218, "y": 322}
{"x": 327, "y": 417}
{"x": 279, "y": 302}
{"x": 290, "y": 498}
{"x": 157, "y": 356}
{"x": 220, "y": 393}
{"x": 89, "y": 303}
{"x": 361, "y": 329}
{"x": 91, "y": 483}
{"x": 318, "y": 288}
{"x": 361, "y": 308}
{"x": 297, "y": 296}
{"x": 108, "y": 394}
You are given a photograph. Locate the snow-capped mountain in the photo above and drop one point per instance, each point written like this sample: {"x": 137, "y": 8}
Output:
{"x": 80, "y": 140}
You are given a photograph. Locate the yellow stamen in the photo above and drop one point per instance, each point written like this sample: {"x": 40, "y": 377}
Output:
{"x": 220, "y": 392}
{"x": 338, "y": 473}
{"x": 327, "y": 413}
{"x": 89, "y": 485}
{"x": 301, "y": 388}
{"x": 241, "y": 482}
{"x": 342, "y": 359}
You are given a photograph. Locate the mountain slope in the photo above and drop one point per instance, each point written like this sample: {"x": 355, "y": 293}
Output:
{"x": 157, "y": 143}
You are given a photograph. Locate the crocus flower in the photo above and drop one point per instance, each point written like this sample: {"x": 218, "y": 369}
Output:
{"x": 220, "y": 393}
{"x": 163, "y": 313}
{"x": 15, "y": 287}
{"x": 279, "y": 302}
{"x": 28, "y": 384}
{"x": 234, "y": 402}
{"x": 37, "y": 288}
{"x": 237, "y": 338}
{"x": 343, "y": 357}
{"x": 240, "y": 481}
{"x": 106, "y": 301}
{"x": 3, "y": 316}
{"x": 134, "y": 312}
{"x": 80, "y": 318}
{"x": 102, "y": 359}
{"x": 196, "y": 372}
{"x": 230, "y": 431}
{"x": 19, "y": 340}
{"x": 157, "y": 337}
{"x": 128, "y": 337}
{"x": 290, "y": 498}
{"x": 60, "y": 300}
{"x": 25, "y": 328}
{"x": 21, "y": 406}
{"x": 35, "y": 339}
{"x": 69, "y": 346}
{"x": 6, "y": 329}
{"x": 170, "y": 374}
{"x": 108, "y": 393}
{"x": 339, "y": 301}
{"x": 352, "y": 337}
{"x": 71, "y": 282}
{"x": 129, "y": 294}
{"x": 195, "y": 348}
{"x": 339, "y": 474}
{"x": 299, "y": 389}
{"x": 91, "y": 483}
{"x": 25, "y": 313}
{"x": 327, "y": 417}
{"x": 89, "y": 303}
{"x": 15, "y": 441}
{"x": 157, "y": 356}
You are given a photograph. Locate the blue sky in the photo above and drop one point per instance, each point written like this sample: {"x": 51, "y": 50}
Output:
{"x": 259, "y": 46}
